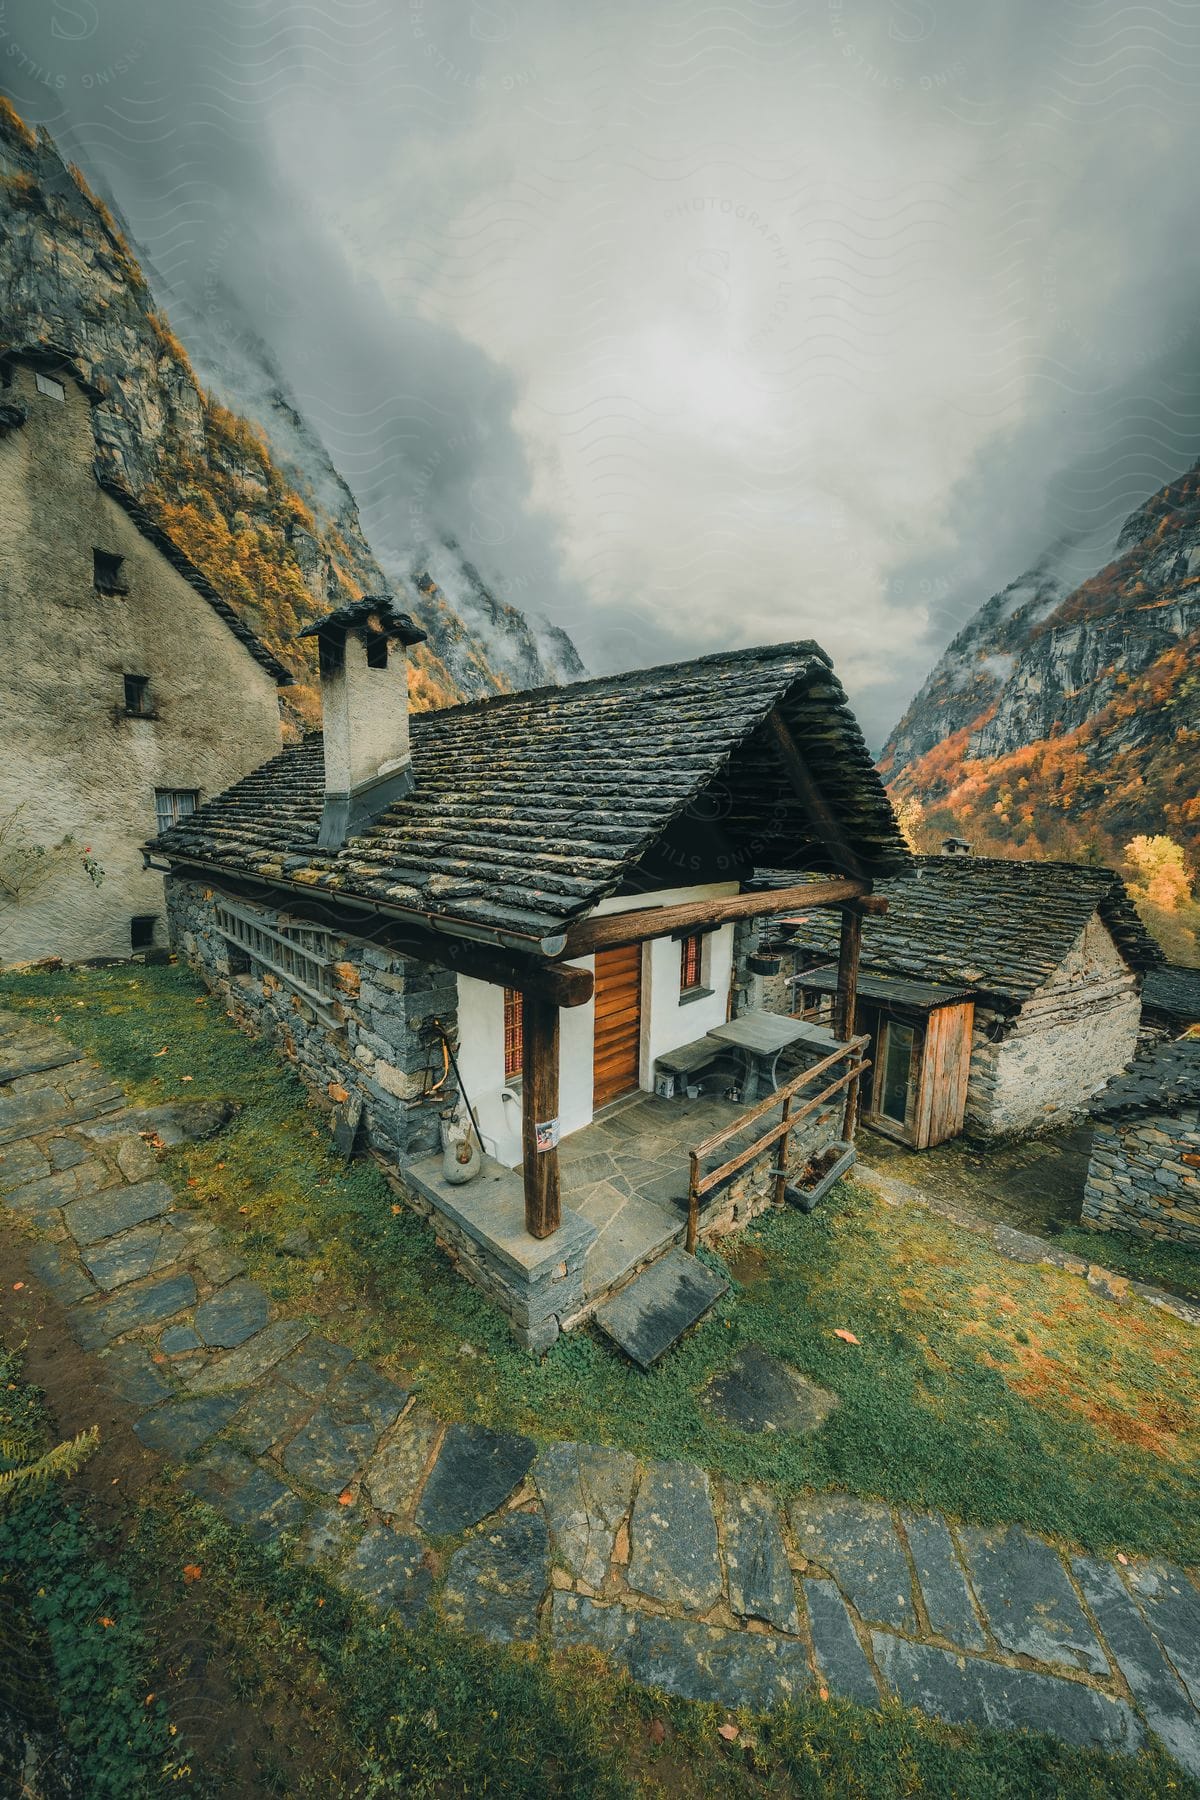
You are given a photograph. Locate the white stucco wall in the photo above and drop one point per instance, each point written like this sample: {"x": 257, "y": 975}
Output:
{"x": 666, "y": 1023}
{"x": 669, "y": 1020}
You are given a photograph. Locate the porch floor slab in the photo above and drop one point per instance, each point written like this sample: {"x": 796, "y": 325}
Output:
{"x": 624, "y": 1185}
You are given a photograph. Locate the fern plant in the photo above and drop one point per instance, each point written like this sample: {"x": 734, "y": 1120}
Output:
{"x": 27, "y": 1471}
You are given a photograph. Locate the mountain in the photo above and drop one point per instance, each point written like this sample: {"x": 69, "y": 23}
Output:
{"x": 257, "y": 505}
{"x": 1065, "y": 720}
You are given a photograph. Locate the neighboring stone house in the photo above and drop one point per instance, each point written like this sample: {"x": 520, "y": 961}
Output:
{"x": 1171, "y": 1001}
{"x": 524, "y": 903}
{"x": 1144, "y": 1173}
{"x": 999, "y": 995}
{"x": 129, "y": 690}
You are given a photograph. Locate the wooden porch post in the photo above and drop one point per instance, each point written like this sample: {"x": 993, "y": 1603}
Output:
{"x": 847, "y": 976}
{"x": 539, "y": 1107}
{"x": 846, "y": 1005}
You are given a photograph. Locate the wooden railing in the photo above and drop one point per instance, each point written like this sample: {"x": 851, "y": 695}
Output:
{"x": 699, "y": 1184}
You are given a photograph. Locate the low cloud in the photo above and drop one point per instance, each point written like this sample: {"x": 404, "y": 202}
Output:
{"x": 695, "y": 328}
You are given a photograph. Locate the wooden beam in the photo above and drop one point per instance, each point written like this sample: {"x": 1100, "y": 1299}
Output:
{"x": 810, "y": 796}
{"x": 611, "y": 930}
{"x": 554, "y": 982}
{"x": 539, "y": 1116}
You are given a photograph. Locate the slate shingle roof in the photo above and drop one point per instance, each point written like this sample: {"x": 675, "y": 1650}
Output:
{"x": 892, "y": 990}
{"x": 1172, "y": 993}
{"x": 1164, "y": 1080}
{"x": 529, "y": 808}
{"x": 1000, "y": 928}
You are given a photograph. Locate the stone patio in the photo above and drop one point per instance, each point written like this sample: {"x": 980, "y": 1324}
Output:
{"x": 697, "y": 1587}
{"x": 624, "y": 1203}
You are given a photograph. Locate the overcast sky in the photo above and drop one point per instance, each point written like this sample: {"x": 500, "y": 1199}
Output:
{"x": 699, "y": 325}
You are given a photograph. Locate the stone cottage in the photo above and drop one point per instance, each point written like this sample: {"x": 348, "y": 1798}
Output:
{"x": 999, "y": 996}
{"x": 523, "y": 905}
{"x": 1144, "y": 1173}
{"x": 129, "y": 690}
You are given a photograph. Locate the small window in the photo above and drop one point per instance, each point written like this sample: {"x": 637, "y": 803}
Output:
{"x": 899, "y": 1043}
{"x": 173, "y": 804}
{"x": 106, "y": 573}
{"x": 46, "y": 384}
{"x": 141, "y": 931}
{"x": 691, "y": 963}
{"x": 137, "y": 694}
{"x": 513, "y": 1033}
{"x": 377, "y": 646}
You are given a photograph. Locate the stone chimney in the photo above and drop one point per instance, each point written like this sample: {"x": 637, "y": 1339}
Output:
{"x": 364, "y": 701}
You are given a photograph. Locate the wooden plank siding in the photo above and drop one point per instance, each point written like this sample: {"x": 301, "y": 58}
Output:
{"x": 617, "y": 1046}
{"x": 945, "y": 1069}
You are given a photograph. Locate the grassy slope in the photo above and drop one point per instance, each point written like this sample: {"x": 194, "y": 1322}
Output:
{"x": 992, "y": 1390}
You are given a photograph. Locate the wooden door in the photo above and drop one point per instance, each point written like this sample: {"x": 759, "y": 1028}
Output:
{"x": 945, "y": 1073}
{"x": 616, "y": 1053}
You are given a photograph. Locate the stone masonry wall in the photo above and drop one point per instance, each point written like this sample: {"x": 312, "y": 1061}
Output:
{"x": 1138, "y": 1179}
{"x": 73, "y": 762}
{"x": 1042, "y": 1067}
{"x": 378, "y": 1048}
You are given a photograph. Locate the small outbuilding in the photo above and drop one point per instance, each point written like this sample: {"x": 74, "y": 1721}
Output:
{"x": 999, "y": 996}
{"x": 1144, "y": 1173}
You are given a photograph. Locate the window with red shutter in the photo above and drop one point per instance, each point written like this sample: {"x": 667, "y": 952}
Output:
{"x": 512, "y": 1034}
{"x": 690, "y": 962}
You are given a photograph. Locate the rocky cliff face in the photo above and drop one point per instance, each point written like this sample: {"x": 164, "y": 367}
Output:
{"x": 1065, "y": 721}
{"x": 258, "y": 507}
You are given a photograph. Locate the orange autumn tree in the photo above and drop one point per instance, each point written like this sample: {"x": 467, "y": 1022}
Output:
{"x": 1161, "y": 886}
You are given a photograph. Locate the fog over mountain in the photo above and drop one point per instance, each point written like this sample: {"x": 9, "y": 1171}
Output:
{"x": 691, "y": 326}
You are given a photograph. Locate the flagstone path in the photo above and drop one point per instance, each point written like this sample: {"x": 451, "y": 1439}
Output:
{"x": 693, "y": 1585}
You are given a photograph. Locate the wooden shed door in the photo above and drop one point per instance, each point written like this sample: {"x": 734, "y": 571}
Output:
{"x": 618, "y": 1023}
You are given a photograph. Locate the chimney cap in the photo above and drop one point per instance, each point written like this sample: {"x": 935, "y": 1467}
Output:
{"x": 377, "y": 610}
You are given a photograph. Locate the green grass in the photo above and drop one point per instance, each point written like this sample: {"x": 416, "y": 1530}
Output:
{"x": 1175, "y": 1267}
{"x": 74, "y": 1660}
{"x": 988, "y": 1389}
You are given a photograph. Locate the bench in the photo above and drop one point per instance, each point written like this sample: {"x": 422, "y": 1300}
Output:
{"x": 688, "y": 1060}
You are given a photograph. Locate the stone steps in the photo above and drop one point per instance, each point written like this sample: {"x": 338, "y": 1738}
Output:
{"x": 649, "y": 1316}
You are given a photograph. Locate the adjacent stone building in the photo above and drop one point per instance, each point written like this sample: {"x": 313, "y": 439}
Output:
{"x": 130, "y": 692}
{"x": 1171, "y": 1001}
{"x": 1144, "y": 1173}
{"x": 1022, "y": 979}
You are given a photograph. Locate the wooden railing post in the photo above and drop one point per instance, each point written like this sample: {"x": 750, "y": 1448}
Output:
{"x": 539, "y": 1115}
{"x": 693, "y": 1224}
{"x": 781, "y": 1165}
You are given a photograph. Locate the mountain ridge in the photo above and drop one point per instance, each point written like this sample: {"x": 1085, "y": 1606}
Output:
{"x": 1066, "y": 720}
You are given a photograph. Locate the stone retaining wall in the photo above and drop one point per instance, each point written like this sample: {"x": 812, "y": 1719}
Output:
{"x": 375, "y": 1047}
{"x": 1138, "y": 1180}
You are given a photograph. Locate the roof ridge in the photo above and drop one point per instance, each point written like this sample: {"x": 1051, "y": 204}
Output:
{"x": 807, "y": 647}
{"x": 162, "y": 540}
